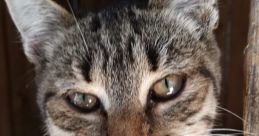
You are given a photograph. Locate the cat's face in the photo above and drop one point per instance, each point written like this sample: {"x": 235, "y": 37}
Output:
{"x": 124, "y": 71}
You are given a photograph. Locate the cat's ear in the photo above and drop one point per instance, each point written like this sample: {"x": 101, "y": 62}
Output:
{"x": 198, "y": 16}
{"x": 38, "y": 21}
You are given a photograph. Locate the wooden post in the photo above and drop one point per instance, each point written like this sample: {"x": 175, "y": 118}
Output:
{"x": 251, "y": 109}
{"x": 5, "y": 119}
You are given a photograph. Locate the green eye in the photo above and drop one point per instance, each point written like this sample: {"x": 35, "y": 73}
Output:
{"x": 82, "y": 101}
{"x": 168, "y": 87}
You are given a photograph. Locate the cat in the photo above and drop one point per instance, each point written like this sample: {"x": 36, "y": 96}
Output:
{"x": 137, "y": 68}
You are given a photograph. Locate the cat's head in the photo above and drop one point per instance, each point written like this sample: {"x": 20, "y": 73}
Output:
{"x": 140, "y": 70}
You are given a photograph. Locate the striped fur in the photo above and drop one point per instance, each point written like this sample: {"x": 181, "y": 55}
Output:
{"x": 117, "y": 55}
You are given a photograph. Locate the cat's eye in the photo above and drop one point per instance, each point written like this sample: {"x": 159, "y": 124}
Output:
{"x": 82, "y": 101}
{"x": 168, "y": 87}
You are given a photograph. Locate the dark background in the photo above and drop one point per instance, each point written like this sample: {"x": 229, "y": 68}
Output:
{"x": 19, "y": 115}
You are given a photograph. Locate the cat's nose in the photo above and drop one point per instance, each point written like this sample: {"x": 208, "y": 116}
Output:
{"x": 128, "y": 125}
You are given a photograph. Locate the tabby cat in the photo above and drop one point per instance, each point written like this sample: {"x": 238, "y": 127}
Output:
{"x": 137, "y": 68}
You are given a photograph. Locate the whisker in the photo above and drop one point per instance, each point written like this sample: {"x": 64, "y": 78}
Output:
{"x": 230, "y": 130}
{"x": 232, "y": 113}
{"x": 77, "y": 23}
{"x": 234, "y": 134}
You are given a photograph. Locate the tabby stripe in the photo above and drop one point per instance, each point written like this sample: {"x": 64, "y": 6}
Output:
{"x": 130, "y": 44}
{"x": 105, "y": 55}
{"x": 190, "y": 114}
{"x": 86, "y": 67}
{"x": 208, "y": 119}
{"x": 95, "y": 24}
{"x": 48, "y": 96}
{"x": 152, "y": 56}
{"x": 135, "y": 24}
{"x": 184, "y": 107}
{"x": 207, "y": 74}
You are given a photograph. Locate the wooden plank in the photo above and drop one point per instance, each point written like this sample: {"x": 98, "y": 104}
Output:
{"x": 231, "y": 37}
{"x": 251, "y": 111}
{"x": 5, "y": 122}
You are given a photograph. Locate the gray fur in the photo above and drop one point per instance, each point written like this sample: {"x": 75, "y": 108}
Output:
{"x": 123, "y": 50}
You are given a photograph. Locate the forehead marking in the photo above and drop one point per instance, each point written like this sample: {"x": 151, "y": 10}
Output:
{"x": 86, "y": 68}
{"x": 95, "y": 23}
{"x": 152, "y": 56}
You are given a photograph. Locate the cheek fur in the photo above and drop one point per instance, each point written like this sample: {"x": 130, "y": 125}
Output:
{"x": 54, "y": 130}
{"x": 193, "y": 114}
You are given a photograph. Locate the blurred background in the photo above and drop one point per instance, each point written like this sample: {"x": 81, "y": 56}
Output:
{"x": 19, "y": 115}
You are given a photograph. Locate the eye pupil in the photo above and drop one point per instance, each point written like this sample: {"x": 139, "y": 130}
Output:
{"x": 172, "y": 89}
{"x": 90, "y": 101}
{"x": 82, "y": 101}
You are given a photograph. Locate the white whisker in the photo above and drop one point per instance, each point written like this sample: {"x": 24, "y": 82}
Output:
{"x": 232, "y": 113}
{"x": 77, "y": 23}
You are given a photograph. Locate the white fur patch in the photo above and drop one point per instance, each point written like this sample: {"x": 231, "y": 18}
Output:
{"x": 56, "y": 131}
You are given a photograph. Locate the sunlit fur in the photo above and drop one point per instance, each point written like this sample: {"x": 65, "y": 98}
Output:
{"x": 117, "y": 55}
